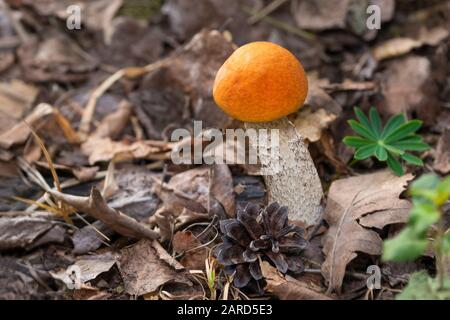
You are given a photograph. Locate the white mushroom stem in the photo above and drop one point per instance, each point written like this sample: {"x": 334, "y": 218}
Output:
{"x": 290, "y": 175}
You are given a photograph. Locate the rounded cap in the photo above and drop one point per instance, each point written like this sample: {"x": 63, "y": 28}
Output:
{"x": 260, "y": 82}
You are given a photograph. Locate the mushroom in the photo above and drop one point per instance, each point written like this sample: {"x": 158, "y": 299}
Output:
{"x": 260, "y": 84}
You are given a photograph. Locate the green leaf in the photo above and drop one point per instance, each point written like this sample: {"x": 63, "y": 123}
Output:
{"x": 392, "y": 124}
{"x": 376, "y": 122}
{"x": 393, "y": 149}
{"x": 423, "y": 287}
{"x": 365, "y": 121}
{"x": 446, "y": 244}
{"x": 404, "y": 130}
{"x": 405, "y": 247}
{"x": 381, "y": 153}
{"x": 409, "y": 158}
{"x": 395, "y": 165}
{"x": 425, "y": 183}
{"x": 443, "y": 191}
{"x": 356, "y": 142}
{"x": 362, "y": 130}
{"x": 365, "y": 152}
{"x": 412, "y": 138}
{"x": 444, "y": 186}
{"x": 423, "y": 215}
{"x": 410, "y": 146}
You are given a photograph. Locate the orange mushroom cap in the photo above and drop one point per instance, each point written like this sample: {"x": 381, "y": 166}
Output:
{"x": 260, "y": 82}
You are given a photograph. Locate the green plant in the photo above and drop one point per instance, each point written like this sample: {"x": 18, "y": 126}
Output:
{"x": 389, "y": 143}
{"x": 425, "y": 228}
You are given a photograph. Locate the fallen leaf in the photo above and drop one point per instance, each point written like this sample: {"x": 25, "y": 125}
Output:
{"x": 406, "y": 87}
{"x": 289, "y": 289}
{"x": 321, "y": 14}
{"x": 144, "y": 271}
{"x": 97, "y": 14}
{"x": 310, "y": 123}
{"x": 184, "y": 242}
{"x": 181, "y": 90}
{"x": 90, "y": 266}
{"x": 56, "y": 58}
{"x": 105, "y": 149}
{"x": 442, "y": 155}
{"x": 112, "y": 125}
{"x": 19, "y": 133}
{"x": 16, "y": 98}
{"x": 23, "y": 231}
{"x": 399, "y": 46}
{"x": 356, "y": 206}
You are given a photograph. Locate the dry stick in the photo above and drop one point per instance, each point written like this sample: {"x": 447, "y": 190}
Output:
{"x": 96, "y": 206}
{"x": 266, "y": 11}
{"x": 284, "y": 26}
{"x": 20, "y": 30}
{"x": 88, "y": 112}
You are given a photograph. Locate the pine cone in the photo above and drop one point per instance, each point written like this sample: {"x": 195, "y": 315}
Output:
{"x": 259, "y": 233}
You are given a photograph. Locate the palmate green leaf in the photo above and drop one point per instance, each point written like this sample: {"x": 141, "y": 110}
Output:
{"x": 381, "y": 153}
{"x": 403, "y": 131}
{"x": 411, "y": 146}
{"x": 364, "y": 121}
{"x": 409, "y": 158}
{"x": 393, "y": 149}
{"x": 366, "y": 132}
{"x": 389, "y": 144}
{"x": 376, "y": 122}
{"x": 395, "y": 165}
{"x": 392, "y": 124}
{"x": 365, "y": 151}
{"x": 356, "y": 142}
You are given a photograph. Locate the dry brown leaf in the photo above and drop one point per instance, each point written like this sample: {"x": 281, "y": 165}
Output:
{"x": 442, "y": 156}
{"x": 146, "y": 266}
{"x": 399, "y": 46}
{"x": 105, "y": 149}
{"x": 21, "y": 131}
{"x": 16, "y": 98}
{"x": 56, "y": 58}
{"x": 355, "y": 206}
{"x": 289, "y": 289}
{"x": 95, "y": 206}
{"x": 406, "y": 86}
{"x": 310, "y": 124}
{"x": 90, "y": 266}
{"x": 23, "y": 231}
{"x": 183, "y": 242}
{"x": 97, "y": 14}
{"x": 193, "y": 195}
{"x": 321, "y": 14}
{"x": 112, "y": 125}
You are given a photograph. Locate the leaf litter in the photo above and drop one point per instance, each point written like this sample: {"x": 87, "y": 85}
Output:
{"x": 86, "y": 118}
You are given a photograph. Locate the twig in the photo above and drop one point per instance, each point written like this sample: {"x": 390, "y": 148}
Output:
{"x": 284, "y": 26}
{"x": 132, "y": 72}
{"x": 266, "y": 11}
{"x": 20, "y": 30}
{"x": 96, "y": 206}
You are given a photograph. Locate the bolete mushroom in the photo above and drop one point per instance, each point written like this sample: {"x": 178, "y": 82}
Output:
{"x": 260, "y": 84}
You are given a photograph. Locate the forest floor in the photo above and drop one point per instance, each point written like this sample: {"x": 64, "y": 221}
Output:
{"x": 89, "y": 112}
